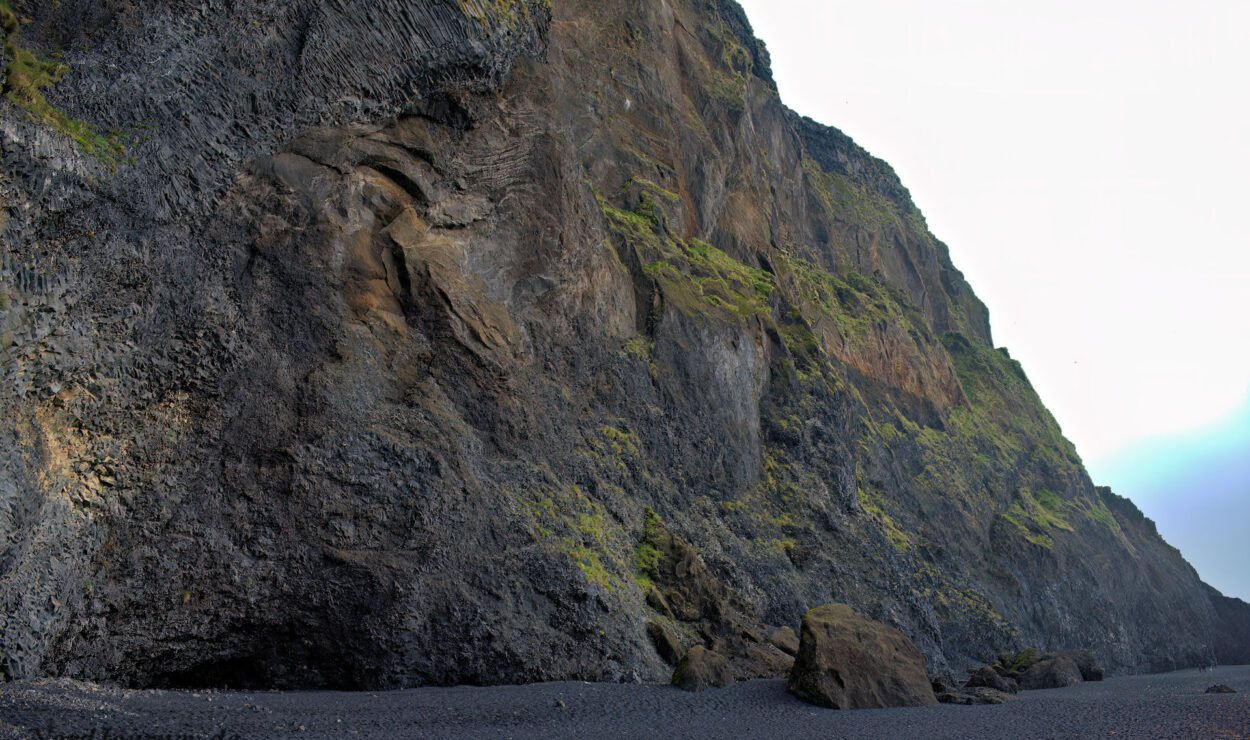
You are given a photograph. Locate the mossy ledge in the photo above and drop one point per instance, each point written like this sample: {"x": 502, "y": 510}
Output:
{"x": 25, "y": 78}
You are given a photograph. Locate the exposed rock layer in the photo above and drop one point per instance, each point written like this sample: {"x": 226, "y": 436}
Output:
{"x": 361, "y": 367}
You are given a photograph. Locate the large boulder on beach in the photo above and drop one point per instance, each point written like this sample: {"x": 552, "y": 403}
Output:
{"x": 1090, "y": 671}
{"x": 846, "y": 661}
{"x": 702, "y": 669}
{"x": 1051, "y": 672}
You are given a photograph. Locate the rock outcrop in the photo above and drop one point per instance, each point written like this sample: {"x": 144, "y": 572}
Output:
{"x": 1054, "y": 672}
{"x": 362, "y": 344}
{"x": 848, "y": 662}
{"x": 701, "y": 669}
{"x": 1032, "y": 669}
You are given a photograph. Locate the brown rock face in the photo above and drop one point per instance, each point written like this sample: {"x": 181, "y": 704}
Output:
{"x": 785, "y": 640}
{"x": 702, "y": 669}
{"x": 848, "y": 662}
{"x": 667, "y": 644}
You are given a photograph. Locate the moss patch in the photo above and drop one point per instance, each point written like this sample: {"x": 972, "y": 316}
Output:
{"x": 508, "y": 14}
{"x": 856, "y": 304}
{"x": 26, "y": 76}
{"x": 849, "y": 200}
{"x": 695, "y": 277}
{"x": 566, "y": 519}
{"x": 648, "y": 554}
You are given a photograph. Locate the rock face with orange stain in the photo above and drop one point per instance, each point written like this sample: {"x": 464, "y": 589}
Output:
{"x": 363, "y": 365}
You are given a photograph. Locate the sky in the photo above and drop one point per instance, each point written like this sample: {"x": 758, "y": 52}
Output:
{"x": 1086, "y": 163}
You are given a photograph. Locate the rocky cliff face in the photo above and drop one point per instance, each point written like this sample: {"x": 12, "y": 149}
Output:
{"x": 367, "y": 344}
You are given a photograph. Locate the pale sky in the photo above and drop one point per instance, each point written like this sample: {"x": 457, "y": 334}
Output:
{"x": 1086, "y": 162}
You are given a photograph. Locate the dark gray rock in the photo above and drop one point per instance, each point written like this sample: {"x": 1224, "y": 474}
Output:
{"x": 1090, "y": 671}
{"x": 1055, "y": 672}
{"x": 1220, "y": 689}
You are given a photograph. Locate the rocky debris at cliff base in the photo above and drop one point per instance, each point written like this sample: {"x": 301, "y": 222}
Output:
{"x": 693, "y": 605}
{"x": 1084, "y": 660}
{"x": 949, "y": 694}
{"x": 846, "y": 661}
{"x": 702, "y": 669}
{"x": 1220, "y": 688}
{"x": 1054, "y": 673}
{"x": 785, "y": 640}
{"x": 667, "y": 642}
{"x": 1032, "y": 669}
{"x": 987, "y": 677}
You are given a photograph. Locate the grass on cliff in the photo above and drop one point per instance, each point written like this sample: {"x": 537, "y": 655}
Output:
{"x": 510, "y": 13}
{"x": 26, "y": 76}
{"x": 695, "y": 277}
{"x": 1005, "y": 440}
{"x": 848, "y": 200}
{"x": 855, "y": 303}
{"x": 565, "y": 518}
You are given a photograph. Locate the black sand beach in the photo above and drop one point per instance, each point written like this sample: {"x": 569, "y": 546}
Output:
{"x": 1170, "y": 705}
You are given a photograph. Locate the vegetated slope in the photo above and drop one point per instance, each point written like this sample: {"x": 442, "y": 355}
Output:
{"x": 363, "y": 361}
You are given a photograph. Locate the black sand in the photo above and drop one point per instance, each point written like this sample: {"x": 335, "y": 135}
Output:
{"x": 1170, "y": 705}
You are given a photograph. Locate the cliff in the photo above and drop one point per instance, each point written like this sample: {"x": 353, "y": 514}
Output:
{"x": 388, "y": 343}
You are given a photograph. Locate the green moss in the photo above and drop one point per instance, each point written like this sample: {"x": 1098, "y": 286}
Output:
{"x": 651, "y": 189}
{"x": 26, "y": 76}
{"x": 648, "y": 555}
{"x": 614, "y": 453}
{"x": 566, "y": 519}
{"x": 729, "y": 90}
{"x": 872, "y": 501}
{"x": 856, "y": 306}
{"x": 1102, "y": 515}
{"x": 773, "y": 513}
{"x": 848, "y": 200}
{"x": 508, "y": 14}
{"x": 957, "y": 604}
{"x": 694, "y": 277}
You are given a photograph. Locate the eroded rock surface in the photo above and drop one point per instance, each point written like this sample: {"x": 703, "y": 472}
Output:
{"x": 359, "y": 342}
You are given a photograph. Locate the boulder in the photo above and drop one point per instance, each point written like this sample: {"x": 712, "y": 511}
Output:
{"x": 1220, "y": 688}
{"x": 1084, "y": 663}
{"x": 977, "y": 695}
{"x": 1055, "y": 672}
{"x": 846, "y": 661}
{"x": 987, "y": 677}
{"x": 702, "y": 669}
{"x": 1025, "y": 660}
{"x": 785, "y": 640}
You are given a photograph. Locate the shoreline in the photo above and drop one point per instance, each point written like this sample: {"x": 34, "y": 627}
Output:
{"x": 1151, "y": 705}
